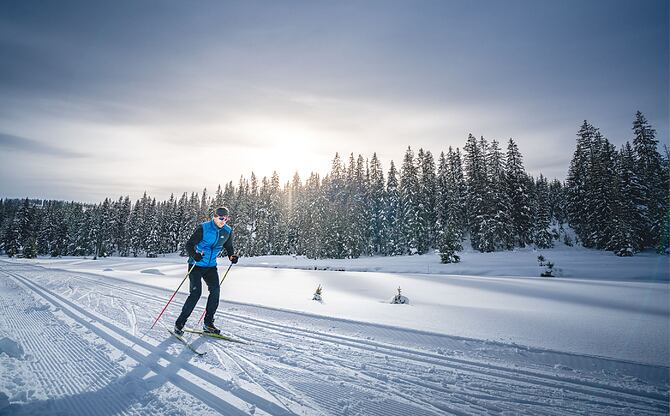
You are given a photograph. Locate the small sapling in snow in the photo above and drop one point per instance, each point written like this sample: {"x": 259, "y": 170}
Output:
{"x": 399, "y": 299}
{"x": 317, "y": 294}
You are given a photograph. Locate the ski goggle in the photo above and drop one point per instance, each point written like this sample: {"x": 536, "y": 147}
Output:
{"x": 223, "y": 218}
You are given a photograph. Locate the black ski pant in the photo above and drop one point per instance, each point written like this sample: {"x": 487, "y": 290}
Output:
{"x": 211, "y": 277}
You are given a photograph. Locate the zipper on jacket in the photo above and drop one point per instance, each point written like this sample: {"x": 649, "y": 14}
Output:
{"x": 211, "y": 250}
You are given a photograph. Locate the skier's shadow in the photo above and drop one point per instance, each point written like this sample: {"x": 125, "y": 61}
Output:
{"x": 133, "y": 388}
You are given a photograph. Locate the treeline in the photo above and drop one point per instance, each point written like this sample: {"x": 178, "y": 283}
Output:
{"x": 614, "y": 200}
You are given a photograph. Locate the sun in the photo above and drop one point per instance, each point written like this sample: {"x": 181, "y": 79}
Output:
{"x": 285, "y": 146}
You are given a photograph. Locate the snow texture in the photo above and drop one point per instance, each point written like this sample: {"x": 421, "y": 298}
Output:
{"x": 76, "y": 338}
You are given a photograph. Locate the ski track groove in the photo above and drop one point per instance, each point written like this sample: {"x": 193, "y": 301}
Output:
{"x": 582, "y": 386}
{"x": 47, "y": 359}
{"x": 192, "y": 387}
{"x": 218, "y": 350}
{"x": 549, "y": 381}
{"x": 294, "y": 397}
{"x": 644, "y": 402}
{"x": 473, "y": 368}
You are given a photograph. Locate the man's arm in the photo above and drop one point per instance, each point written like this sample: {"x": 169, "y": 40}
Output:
{"x": 195, "y": 239}
{"x": 228, "y": 245}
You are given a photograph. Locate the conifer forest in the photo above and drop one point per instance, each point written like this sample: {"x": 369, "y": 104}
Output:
{"x": 612, "y": 199}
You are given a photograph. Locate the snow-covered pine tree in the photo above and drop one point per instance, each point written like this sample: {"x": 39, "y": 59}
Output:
{"x": 134, "y": 228}
{"x": 276, "y": 217}
{"x": 204, "y": 213}
{"x": 577, "y": 181}
{"x": 557, "y": 201}
{"x": 399, "y": 299}
{"x": 393, "y": 236}
{"x": 426, "y": 196}
{"x": 335, "y": 218}
{"x": 449, "y": 242}
{"x": 458, "y": 191}
{"x": 477, "y": 195}
{"x": 317, "y": 294}
{"x": 17, "y": 235}
{"x": 517, "y": 193}
{"x": 294, "y": 238}
{"x": 315, "y": 213}
{"x": 241, "y": 219}
{"x": 217, "y": 201}
{"x": 542, "y": 237}
{"x": 499, "y": 204}
{"x": 602, "y": 178}
{"x": 153, "y": 220}
{"x": 626, "y": 218}
{"x": 442, "y": 196}
{"x": 355, "y": 211}
{"x": 93, "y": 228}
{"x": 262, "y": 241}
{"x": 450, "y": 206}
{"x": 253, "y": 206}
{"x": 377, "y": 197}
{"x": 58, "y": 230}
{"x": 654, "y": 198}
{"x": 411, "y": 210}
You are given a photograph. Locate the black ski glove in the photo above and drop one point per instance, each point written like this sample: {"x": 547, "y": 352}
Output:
{"x": 233, "y": 259}
{"x": 197, "y": 257}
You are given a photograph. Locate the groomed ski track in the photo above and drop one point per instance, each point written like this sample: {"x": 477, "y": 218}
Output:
{"x": 85, "y": 341}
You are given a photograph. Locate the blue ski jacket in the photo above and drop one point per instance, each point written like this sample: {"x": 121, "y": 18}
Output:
{"x": 209, "y": 240}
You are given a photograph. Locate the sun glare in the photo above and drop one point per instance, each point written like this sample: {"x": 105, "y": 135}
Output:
{"x": 285, "y": 146}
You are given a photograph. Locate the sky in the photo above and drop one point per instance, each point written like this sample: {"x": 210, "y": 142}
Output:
{"x": 103, "y": 99}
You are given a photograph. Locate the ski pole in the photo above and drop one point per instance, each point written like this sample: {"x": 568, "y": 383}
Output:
{"x": 175, "y": 292}
{"x": 220, "y": 283}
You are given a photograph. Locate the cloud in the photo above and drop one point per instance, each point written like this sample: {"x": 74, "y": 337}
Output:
{"x": 9, "y": 141}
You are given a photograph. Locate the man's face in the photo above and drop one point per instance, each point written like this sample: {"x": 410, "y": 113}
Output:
{"x": 220, "y": 221}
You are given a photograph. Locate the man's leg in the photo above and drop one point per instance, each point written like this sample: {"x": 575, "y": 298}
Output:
{"x": 212, "y": 279}
{"x": 195, "y": 289}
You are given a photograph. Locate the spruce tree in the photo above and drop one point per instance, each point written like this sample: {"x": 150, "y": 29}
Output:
{"x": 394, "y": 239}
{"x": 499, "y": 205}
{"x": 378, "y": 206}
{"x": 626, "y": 218}
{"x": 411, "y": 209}
{"x": 653, "y": 200}
{"x": 541, "y": 235}
{"x": 478, "y": 198}
{"x": 577, "y": 182}
{"x": 517, "y": 194}
{"x": 426, "y": 196}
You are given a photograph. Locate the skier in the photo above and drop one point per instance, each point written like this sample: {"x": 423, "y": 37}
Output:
{"x": 204, "y": 246}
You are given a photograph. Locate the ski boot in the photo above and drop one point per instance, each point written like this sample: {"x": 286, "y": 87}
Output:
{"x": 179, "y": 330}
{"x": 210, "y": 329}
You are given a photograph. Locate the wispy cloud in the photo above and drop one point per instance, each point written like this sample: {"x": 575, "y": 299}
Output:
{"x": 10, "y": 141}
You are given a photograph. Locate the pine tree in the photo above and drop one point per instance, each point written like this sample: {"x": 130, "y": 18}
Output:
{"x": 517, "y": 194}
{"x": 426, "y": 199}
{"x": 478, "y": 195}
{"x": 395, "y": 244}
{"x": 410, "y": 201}
{"x": 577, "y": 189}
{"x": 501, "y": 228}
{"x": 541, "y": 235}
{"x": 654, "y": 196}
{"x": 626, "y": 218}
{"x": 378, "y": 207}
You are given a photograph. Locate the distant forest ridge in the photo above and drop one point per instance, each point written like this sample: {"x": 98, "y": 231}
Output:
{"x": 613, "y": 199}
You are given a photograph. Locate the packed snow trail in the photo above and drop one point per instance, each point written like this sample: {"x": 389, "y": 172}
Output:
{"x": 80, "y": 332}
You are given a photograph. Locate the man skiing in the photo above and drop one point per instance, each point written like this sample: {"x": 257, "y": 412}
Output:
{"x": 204, "y": 246}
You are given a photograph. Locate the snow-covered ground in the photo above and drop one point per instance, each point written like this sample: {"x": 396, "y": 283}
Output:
{"x": 485, "y": 336}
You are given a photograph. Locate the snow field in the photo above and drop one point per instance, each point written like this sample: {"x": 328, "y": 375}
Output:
{"x": 295, "y": 360}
